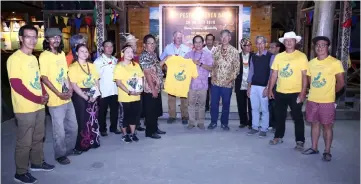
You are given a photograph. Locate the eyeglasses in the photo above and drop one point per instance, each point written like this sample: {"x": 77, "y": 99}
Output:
{"x": 151, "y": 43}
{"x": 321, "y": 45}
{"x": 247, "y": 45}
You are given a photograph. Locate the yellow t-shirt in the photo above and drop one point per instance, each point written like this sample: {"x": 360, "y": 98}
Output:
{"x": 78, "y": 76}
{"x": 323, "y": 80}
{"x": 26, "y": 68}
{"x": 289, "y": 67}
{"x": 132, "y": 78}
{"x": 180, "y": 72}
{"x": 55, "y": 68}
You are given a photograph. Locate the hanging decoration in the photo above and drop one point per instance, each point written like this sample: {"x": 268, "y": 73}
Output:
{"x": 88, "y": 20}
{"x": 347, "y": 23}
{"x": 309, "y": 17}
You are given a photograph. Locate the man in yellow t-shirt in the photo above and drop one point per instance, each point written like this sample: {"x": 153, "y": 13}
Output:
{"x": 28, "y": 98}
{"x": 289, "y": 70}
{"x": 54, "y": 74}
{"x": 326, "y": 77}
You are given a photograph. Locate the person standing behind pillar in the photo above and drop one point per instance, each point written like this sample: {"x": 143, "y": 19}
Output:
{"x": 198, "y": 90}
{"x": 74, "y": 41}
{"x": 176, "y": 48}
{"x": 28, "y": 97}
{"x": 54, "y": 74}
{"x": 241, "y": 85}
{"x": 209, "y": 47}
{"x": 258, "y": 76}
{"x": 224, "y": 73}
{"x": 105, "y": 65}
{"x": 290, "y": 72}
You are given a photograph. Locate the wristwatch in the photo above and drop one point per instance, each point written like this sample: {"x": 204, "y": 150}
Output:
{"x": 200, "y": 65}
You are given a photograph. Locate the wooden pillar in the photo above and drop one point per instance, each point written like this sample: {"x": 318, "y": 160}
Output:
{"x": 100, "y": 25}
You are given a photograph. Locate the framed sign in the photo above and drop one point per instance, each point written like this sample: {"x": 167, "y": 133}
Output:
{"x": 199, "y": 19}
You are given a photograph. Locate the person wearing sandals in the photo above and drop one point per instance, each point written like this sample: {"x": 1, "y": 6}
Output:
{"x": 289, "y": 69}
{"x": 84, "y": 80}
{"x": 54, "y": 74}
{"x": 326, "y": 78}
{"x": 129, "y": 78}
{"x": 197, "y": 95}
{"x": 258, "y": 82}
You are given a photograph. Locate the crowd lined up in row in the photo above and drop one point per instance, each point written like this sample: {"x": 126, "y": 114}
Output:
{"x": 79, "y": 93}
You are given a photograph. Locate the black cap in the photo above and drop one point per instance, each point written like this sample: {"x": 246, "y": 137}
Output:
{"x": 318, "y": 38}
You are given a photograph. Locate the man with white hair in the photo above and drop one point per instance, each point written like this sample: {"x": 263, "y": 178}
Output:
{"x": 176, "y": 48}
{"x": 290, "y": 72}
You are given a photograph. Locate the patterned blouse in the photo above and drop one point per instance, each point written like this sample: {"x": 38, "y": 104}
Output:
{"x": 225, "y": 66}
{"x": 150, "y": 61}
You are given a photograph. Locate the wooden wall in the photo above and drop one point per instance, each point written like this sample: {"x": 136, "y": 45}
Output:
{"x": 261, "y": 19}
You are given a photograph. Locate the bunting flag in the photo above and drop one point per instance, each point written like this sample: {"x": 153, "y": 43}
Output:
{"x": 77, "y": 22}
{"x": 347, "y": 23}
{"x": 95, "y": 15}
{"x": 88, "y": 20}
{"x": 56, "y": 19}
{"x": 309, "y": 16}
{"x": 65, "y": 20}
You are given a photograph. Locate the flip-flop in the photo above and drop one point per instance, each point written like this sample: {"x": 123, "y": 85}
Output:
{"x": 310, "y": 151}
{"x": 274, "y": 142}
{"x": 326, "y": 157}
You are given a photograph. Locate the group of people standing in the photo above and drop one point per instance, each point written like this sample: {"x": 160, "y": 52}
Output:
{"x": 79, "y": 93}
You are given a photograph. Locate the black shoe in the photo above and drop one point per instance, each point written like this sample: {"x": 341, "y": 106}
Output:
{"x": 103, "y": 134}
{"x": 225, "y": 127}
{"x": 63, "y": 160}
{"x": 154, "y": 136}
{"x": 242, "y": 126}
{"x": 116, "y": 131}
{"x": 212, "y": 126}
{"x": 43, "y": 167}
{"x": 76, "y": 152}
{"x": 25, "y": 178}
{"x": 140, "y": 128}
{"x": 170, "y": 120}
{"x": 160, "y": 132}
{"x": 134, "y": 138}
{"x": 184, "y": 121}
{"x": 127, "y": 139}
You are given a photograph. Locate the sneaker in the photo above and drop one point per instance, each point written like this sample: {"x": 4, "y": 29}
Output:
{"x": 134, "y": 138}
{"x": 299, "y": 146}
{"x": 126, "y": 138}
{"x": 225, "y": 127}
{"x": 43, "y": 167}
{"x": 212, "y": 126}
{"x": 262, "y": 134}
{"x": 76, "y": 152}
{"x": 252, "y": 132}
{"x": 170, "y": 120}
{"x": 201, "y": 126}
{"x": 63, "y": 160}
{"x": 25, "y": 178}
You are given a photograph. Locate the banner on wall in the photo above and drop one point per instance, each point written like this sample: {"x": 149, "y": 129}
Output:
{"x": 201, "y": 20}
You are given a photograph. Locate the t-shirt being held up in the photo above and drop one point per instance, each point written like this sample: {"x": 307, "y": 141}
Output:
{"x": 180, "y": 72}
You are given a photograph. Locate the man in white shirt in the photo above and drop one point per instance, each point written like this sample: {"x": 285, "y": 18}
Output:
{"x": 176, "y": 48}
{"x": 209, "y": 47}
{"x": 105, "y": 64}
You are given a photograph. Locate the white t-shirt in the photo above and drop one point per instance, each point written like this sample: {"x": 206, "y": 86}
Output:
{"x": 105, "y": 67}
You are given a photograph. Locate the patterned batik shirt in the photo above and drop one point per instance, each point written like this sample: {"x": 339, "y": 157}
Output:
{"x": 150, "y": 61}
{"x": 225, "y": 66}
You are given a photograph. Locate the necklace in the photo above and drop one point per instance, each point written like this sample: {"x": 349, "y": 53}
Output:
{"x": 88, "y": 73}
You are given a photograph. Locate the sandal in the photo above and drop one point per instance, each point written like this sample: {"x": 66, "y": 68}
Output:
{"x": 310, "y": 151}
{"x": 326, "y": 157}
{"x": 275, "y": 141}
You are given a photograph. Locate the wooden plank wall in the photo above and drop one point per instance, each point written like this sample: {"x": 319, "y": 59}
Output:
{"x": 261, "y": 19}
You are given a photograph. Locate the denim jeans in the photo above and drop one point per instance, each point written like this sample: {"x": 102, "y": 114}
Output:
{"x": 217, "y": 93}
{"x": 259, "y": 104}
{"x": 65, "y": 129}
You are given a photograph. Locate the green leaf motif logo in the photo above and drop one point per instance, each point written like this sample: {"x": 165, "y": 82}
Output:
{"x": 286, "y": 72}
{"x": 180, "y": 76}
{"x": 60, "y": 79}
{"x": 88, "y": 83}
{"x": 36, "y": 84}
{"x": 317, "y": 83}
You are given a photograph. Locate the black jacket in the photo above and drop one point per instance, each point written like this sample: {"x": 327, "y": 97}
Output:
{"x": 238, "y": 81}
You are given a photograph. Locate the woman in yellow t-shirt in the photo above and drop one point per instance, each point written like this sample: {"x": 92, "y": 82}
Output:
{"x": 129, "y": 78}
{"x": 84, "y": 80}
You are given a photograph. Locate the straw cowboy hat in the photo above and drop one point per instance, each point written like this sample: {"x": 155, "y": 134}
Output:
{"x": 130, "y": 38}
{"x": 290, "y": 35}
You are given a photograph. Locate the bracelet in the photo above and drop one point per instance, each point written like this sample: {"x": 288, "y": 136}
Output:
{"x": 201, "y": 65}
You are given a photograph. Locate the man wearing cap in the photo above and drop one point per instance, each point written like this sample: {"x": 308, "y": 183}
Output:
{"x": 326, "y": 78}
{"x": 241, "y": 85}
{"x": 176, "y": 48}
{"x": 54, "y": 74}
{"x": 28, "y": 97}
{"x": 290, "y": 72}
{"x": 74, "y": 41}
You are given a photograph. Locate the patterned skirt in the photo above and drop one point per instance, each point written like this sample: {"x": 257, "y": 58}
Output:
{"x": 88, "y": 127}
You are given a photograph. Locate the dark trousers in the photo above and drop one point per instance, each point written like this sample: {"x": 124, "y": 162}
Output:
{"x": 152, "y": 109}
{"x": 244, "y": 104}
{"x": 208, "y": 93}
{"x": 217, "y": 93}
{"x": 282, "y": 102}
{"x": 272, "y": 113}
{"x": 112, "y": 102}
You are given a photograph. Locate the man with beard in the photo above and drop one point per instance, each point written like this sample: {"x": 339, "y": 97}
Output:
{"x": 54, "y": 74}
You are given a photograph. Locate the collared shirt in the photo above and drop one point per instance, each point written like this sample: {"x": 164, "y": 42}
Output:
{"x": 171, "y": 50}
{"x": 206, "y": 49}
{"x": 251, "y": 68}
{"x": 151, "y": 62}
{"x": 105, "y": 67}
{"x": 204, "y": 57}
{"x": 226, "y": 66}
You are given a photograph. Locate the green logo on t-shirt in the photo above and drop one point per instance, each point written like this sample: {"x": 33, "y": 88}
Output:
{"x": 180, "y": 76}
{"x": 61, "y": 79}
{"x": 36, "y": 84}
{"x": 88, "y": 83}
{"x": 317, "y": 83}
{"x": 286, "y": 72}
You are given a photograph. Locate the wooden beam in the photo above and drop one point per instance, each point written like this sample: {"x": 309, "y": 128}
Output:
{"x": 115, "y": 7}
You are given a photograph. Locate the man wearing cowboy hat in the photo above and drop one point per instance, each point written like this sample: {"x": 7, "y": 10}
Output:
{"x": 326, "y": 77}
{"x": 289, "y": 70}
